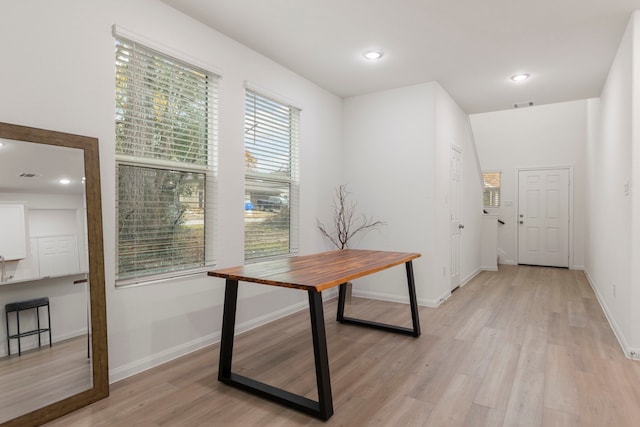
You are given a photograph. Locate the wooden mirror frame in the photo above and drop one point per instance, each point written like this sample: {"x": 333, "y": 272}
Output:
{"x": 99, "y": 352}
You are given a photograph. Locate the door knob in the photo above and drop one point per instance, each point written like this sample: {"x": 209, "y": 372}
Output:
{"x": 521, "y": 222}
{"x": 460, "y": 226}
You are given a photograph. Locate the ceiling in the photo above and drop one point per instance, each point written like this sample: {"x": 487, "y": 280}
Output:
{"x": 47, "y": 163}
{"x": 470, "y": 47}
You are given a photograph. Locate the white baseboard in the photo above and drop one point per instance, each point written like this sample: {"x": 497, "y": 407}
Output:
{"x": 474, "y": 274}
{"x": 634, "y": 353}
{"x": 165, "y": 356}
{"x": 403, "y": 299}
{"x": 31, "y": 342}
{"x": 68, "y": 335}
{"x": 508, "y": 262}
{"x": 141, "y": 365}
{"x": 445, "y": 296}
{"x": 629, "y": 352}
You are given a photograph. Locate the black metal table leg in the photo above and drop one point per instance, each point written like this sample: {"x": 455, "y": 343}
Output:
{"x": 228, "y": 329}
{"x": 49, "y": 324}
{"x": 18, "y": 332}
{"x": 342, "y": 294}
{"x": 38, "y": 323}
{"x": 323, "y": 408}
{"x": 6, "y": 317}
{"x": 413, "y": 302}
{"x": 319, "y": 335}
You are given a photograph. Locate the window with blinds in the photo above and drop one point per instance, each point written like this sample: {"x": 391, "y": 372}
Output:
{"x": 271, "y": 177}
{"x": 166, "y": 132}
{"x": 491, "y": 195}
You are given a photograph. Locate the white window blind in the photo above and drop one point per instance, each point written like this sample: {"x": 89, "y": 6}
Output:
{"x": 491, "y": 195}
{"x": 166, "y": 133}
{"x": 271, "y": 177}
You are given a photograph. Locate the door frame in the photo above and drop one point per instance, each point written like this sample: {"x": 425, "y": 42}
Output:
{"x": 571, "y": 209}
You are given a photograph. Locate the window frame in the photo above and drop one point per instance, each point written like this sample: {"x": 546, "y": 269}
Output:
{"x": 486, "y": 189}
{"x": 208, "y": 167}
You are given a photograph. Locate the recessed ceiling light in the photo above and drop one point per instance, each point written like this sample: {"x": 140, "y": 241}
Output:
{"x": 519, "y": 77}
{"x": 65, "y": 181}
{"x": 373, "y": 54}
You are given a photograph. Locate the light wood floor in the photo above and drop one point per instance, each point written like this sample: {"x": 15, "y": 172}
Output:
{"x": 42, "y": 376}
{"x": 525, "y": 346}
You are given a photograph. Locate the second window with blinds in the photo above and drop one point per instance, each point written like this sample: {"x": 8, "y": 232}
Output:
{"x": 271, "y": 177}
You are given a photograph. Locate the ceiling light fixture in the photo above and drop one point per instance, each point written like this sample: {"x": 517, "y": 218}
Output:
{"x": 65, "y": 181}
{"x": 519, "y": 77}
{"x": 372, "y": 55}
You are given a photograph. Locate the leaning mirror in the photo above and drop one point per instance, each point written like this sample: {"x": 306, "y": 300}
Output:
{"x": 53, "y": 338}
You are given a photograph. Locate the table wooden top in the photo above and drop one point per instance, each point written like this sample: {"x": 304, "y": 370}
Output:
{"x": 318, "y": 271}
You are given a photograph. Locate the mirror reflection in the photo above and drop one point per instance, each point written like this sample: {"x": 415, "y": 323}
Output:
{"x": 45, "y": 344}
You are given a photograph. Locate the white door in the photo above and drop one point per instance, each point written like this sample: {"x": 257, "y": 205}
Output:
{"x": 455, "y": 209}
{"x": 543, "y": 217}
{"x": 57, "y": 255}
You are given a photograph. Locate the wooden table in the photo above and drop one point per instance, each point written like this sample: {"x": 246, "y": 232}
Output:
{"x": 314, "y": 274}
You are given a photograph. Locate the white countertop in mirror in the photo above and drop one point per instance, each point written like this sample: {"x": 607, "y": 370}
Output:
{"x": 37, "y": 279}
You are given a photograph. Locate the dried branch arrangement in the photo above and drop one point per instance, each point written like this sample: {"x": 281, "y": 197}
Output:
{"x": 346, "y": 221}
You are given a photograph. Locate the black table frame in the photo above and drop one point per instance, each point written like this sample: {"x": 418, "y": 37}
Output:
{"x": 323, "y": 408}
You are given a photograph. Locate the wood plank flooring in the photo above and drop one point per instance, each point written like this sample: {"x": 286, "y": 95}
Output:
{"x": 42, "y": 376}
{"x": 524, "y": 346}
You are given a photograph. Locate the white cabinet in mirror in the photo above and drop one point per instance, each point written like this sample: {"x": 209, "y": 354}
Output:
{"x": 12, "y": 229}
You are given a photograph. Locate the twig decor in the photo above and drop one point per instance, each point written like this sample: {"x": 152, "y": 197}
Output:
{"x": 347, "y": 223}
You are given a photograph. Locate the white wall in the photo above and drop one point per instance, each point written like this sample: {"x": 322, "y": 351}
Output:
{"x": 613, "y": 242}
{"x": 389, "y": 169}
{"x": 454, "y": 129}
{"x": 58, "y": 74}
{"x": 634, "y": 350}
{"x": 396, "y": 150}
{"x": 542, "y": 136}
